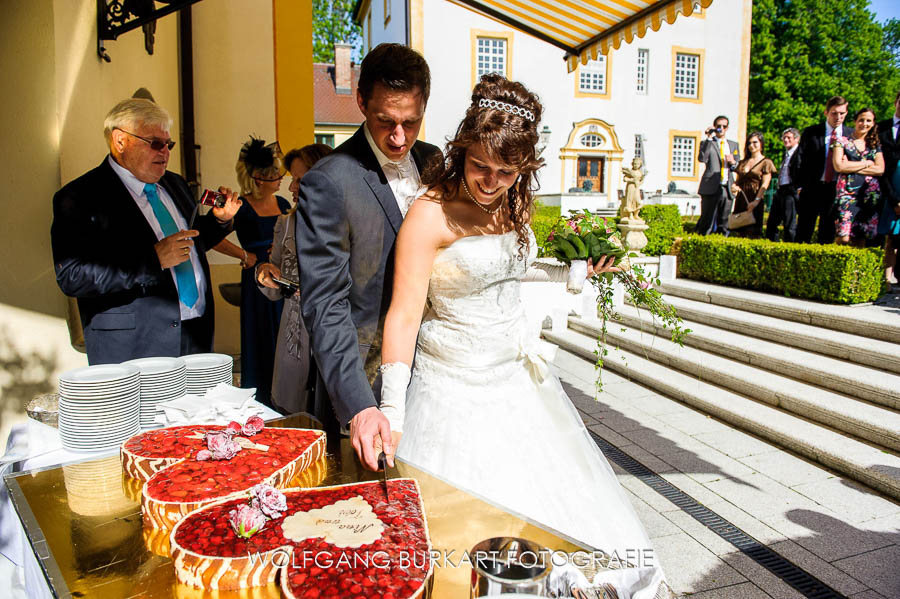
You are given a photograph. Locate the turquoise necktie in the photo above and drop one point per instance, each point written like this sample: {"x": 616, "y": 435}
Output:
{"x": 184, "y": 272}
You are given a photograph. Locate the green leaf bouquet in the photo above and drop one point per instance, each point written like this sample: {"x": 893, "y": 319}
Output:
{"x": 584, "y": 236}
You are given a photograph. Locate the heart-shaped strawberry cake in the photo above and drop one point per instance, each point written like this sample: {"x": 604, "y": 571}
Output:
{"x": 180, "y": 478}
{"x": 342, "y": 541}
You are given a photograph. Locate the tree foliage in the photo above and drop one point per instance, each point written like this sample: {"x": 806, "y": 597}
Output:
{"x": 333, "y": 23}
{"x": 805, "y": 51}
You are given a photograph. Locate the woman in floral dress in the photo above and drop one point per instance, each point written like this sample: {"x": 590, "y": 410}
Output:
{"x": 859, "y": 162}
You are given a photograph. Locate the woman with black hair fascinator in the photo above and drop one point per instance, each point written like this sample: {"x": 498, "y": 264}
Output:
{"x": 260, "y": 171}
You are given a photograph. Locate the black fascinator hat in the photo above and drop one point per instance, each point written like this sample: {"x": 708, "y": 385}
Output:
{"x": 258, "y": 156}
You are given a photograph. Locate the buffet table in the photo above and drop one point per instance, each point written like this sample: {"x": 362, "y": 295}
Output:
{"x": 86, "y": 528}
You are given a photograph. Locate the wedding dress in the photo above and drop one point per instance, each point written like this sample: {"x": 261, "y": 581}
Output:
{"x": 484, "y": 411}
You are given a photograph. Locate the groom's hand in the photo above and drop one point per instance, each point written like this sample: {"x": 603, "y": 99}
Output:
{"x": 366, "y": 429}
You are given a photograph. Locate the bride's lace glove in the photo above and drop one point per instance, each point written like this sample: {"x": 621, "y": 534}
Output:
{"x": 394, "y": 381}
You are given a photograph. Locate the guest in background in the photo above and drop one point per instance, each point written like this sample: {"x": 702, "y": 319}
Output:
{"x": 754, "y": 174}
{"x": 817, "y": 176}
{"x": 720, "y": 156}
{"x": 784, "y": 206}
{"x": 259, "y": 171}
{"x": 123, "y": 245}
{"x": 292, "y": 356}
{"x": 859, "y": 162}
{"x": 889, "y": 219}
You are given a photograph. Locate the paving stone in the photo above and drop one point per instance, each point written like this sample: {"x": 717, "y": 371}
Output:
{"x": 703, "y": 535}
{"x": 661, "y": 440}
{"x": 587, "y": 419}
{"x": 761, "y": 577}
{"x": 747, "y": 590}
{"x": 849, "y": 499}
{"x": 708, "y": 465}
{"x": 655, "y": 524}
{"x": 760, "y": 496}
{"x": 692, "y": 422}
{"x": 786, "y": 468}
{"x": 701, "y": 494}
{"x": 825, "y": 534}
{"x": 655, "y": 404}
{"x": 651, "y": 497}
{"x": 690, "y": 567}
{"x": 609, "y": 434}
{"x": 622, "y": 423}
{"x": 735, "y": 443}
{"x": 647, "y": 459}
{"x": 752, "y": 526}
{"x": 868, "y": 595}
{"x": 880, "y": 569}
{"x": 837, "y": 579}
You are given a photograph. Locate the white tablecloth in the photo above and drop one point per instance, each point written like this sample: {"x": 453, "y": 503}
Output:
{"x": 33, "y": 445}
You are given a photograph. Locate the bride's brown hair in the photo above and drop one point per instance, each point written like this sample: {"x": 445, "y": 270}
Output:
{"x": 507, "y": 138}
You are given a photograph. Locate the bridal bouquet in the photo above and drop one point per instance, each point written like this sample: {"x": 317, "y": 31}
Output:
{"x": 573, "y": 240}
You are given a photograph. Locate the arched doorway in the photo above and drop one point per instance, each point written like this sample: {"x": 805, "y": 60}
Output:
{"x": 592, "y": 154}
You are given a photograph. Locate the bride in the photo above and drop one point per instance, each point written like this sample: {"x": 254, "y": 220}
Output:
{"x": 481, "y": 409}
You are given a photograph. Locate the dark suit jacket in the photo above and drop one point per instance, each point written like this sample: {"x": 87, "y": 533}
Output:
{"x": 712, "y": 176}
{"x": 812, "y": 153}
{"x": 346, "y": 227}
{"x": 103, "y": 253}
{"x": 891, "y": 151}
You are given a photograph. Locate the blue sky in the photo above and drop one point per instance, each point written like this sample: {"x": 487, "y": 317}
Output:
{"x": 885, "y": 9}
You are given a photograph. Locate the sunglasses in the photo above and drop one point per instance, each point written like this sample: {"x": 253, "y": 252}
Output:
{"x": 155, "y": 144}
{"x": 278, "y": 178}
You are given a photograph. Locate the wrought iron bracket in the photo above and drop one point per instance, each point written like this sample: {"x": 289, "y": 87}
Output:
{"x": 115, "y": 17}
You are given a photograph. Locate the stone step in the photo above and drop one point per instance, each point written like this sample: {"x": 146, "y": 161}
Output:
{"x": 871, "y": 423}
{"x": 865, "y": 320}
{"x": 860, "y": 461}
{"x": 869, "y": 352}
{"x": 854, "y": 380}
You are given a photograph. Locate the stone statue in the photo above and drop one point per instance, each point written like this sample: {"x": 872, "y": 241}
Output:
{"x": 631, "y": 202}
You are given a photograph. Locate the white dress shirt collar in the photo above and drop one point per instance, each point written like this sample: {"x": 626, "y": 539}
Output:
{"x": 135, "y": 186}
{"x": 402, "y": 176}
{"x": 379, "y": 155}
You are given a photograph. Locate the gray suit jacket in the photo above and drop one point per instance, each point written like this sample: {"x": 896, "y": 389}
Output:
{"x": 346, "y": 227}
{"x": 712, "y": 176}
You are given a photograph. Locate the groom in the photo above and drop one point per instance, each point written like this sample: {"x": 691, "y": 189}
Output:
{"x": 351, "y": 205}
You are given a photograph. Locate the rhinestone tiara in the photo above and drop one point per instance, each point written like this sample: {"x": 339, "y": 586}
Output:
{"x": 510, "y": 108}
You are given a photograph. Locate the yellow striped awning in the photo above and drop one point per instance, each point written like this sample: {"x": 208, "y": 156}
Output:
{"x": 584, "y": 28}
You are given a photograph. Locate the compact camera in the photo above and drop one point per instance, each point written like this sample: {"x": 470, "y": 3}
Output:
{"x": 212, "y": 198}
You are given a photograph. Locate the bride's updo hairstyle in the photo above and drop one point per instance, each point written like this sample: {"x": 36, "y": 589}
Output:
{"x": 503, "y": 118}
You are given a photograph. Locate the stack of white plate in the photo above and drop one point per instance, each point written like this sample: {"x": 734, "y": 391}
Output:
{"x": 205, "y": 371}
{"x": 99, "y": 406}
{"x": 162, "y": 379}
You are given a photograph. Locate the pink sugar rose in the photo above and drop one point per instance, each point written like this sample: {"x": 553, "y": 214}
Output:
{"x": 203, "y": 454}
{"x": 644, "y": 284}
{"x": 268, "y": 499}
{"x": 253, "y": 426}
{"x": 246, "y": 521}
{"x": 233, "y": 428}
{"x": 222, "y": 446}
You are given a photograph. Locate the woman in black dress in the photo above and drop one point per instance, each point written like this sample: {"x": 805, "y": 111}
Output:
{"x": 260, "y": 172}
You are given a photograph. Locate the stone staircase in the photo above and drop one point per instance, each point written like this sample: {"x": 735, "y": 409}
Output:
{"x": 822, "y": 381}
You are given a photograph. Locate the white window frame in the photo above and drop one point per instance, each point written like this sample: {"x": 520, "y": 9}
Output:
{"x": 486, "y": 56}
{"x": 592, "y": 76}
{"x": 642, "y": 71}
{"x": 683, "y": 155}
{"x": 687, "y": 75}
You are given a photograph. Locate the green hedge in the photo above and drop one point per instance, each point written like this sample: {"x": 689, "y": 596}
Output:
{"x": 665, "y": 226}
{"x": 541, "y": 222}
{"x": 829, "y": 273}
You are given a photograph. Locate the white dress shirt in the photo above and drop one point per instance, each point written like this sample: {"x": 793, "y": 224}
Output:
{"x": 895, "y": 126}
{"x": 136, "y": 188}
{"x": 828, "y": 148}
{"x": 402, "y": 176}
{"x": 784, "y": 177}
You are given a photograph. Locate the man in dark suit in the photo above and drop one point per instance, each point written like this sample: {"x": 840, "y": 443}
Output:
{"x": 720, "y": 156}
{"x": 784, "y": 205}
{"x": 889, "y": 136}
{"x": 122, "y": 245}
{"x": 351, "y": 205}
{"x": 817, "y": 176}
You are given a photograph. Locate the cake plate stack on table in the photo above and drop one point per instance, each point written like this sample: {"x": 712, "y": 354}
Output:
{"x": 162, "y": 379}
{"x": 99, "y": 406}
{"x": 205, "y": 371}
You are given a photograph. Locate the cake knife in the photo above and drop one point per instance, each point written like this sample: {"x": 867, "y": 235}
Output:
{"x": 382, "y": 463}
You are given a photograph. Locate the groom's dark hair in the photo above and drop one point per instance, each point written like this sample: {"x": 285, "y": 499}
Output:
{"x": 397, "y": 68}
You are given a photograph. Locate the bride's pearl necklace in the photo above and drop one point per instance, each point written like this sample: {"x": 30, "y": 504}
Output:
{"x": 479, "y": 204}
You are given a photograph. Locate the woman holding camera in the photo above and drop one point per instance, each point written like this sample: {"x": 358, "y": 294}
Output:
{"x": 278, "y": 279}
{"x": 259, "y": 171}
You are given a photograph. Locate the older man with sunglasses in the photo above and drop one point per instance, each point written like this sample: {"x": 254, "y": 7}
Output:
{"x": 123, "y": 245}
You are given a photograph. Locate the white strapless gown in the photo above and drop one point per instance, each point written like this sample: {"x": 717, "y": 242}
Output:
{"x": 484, "y": 412}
